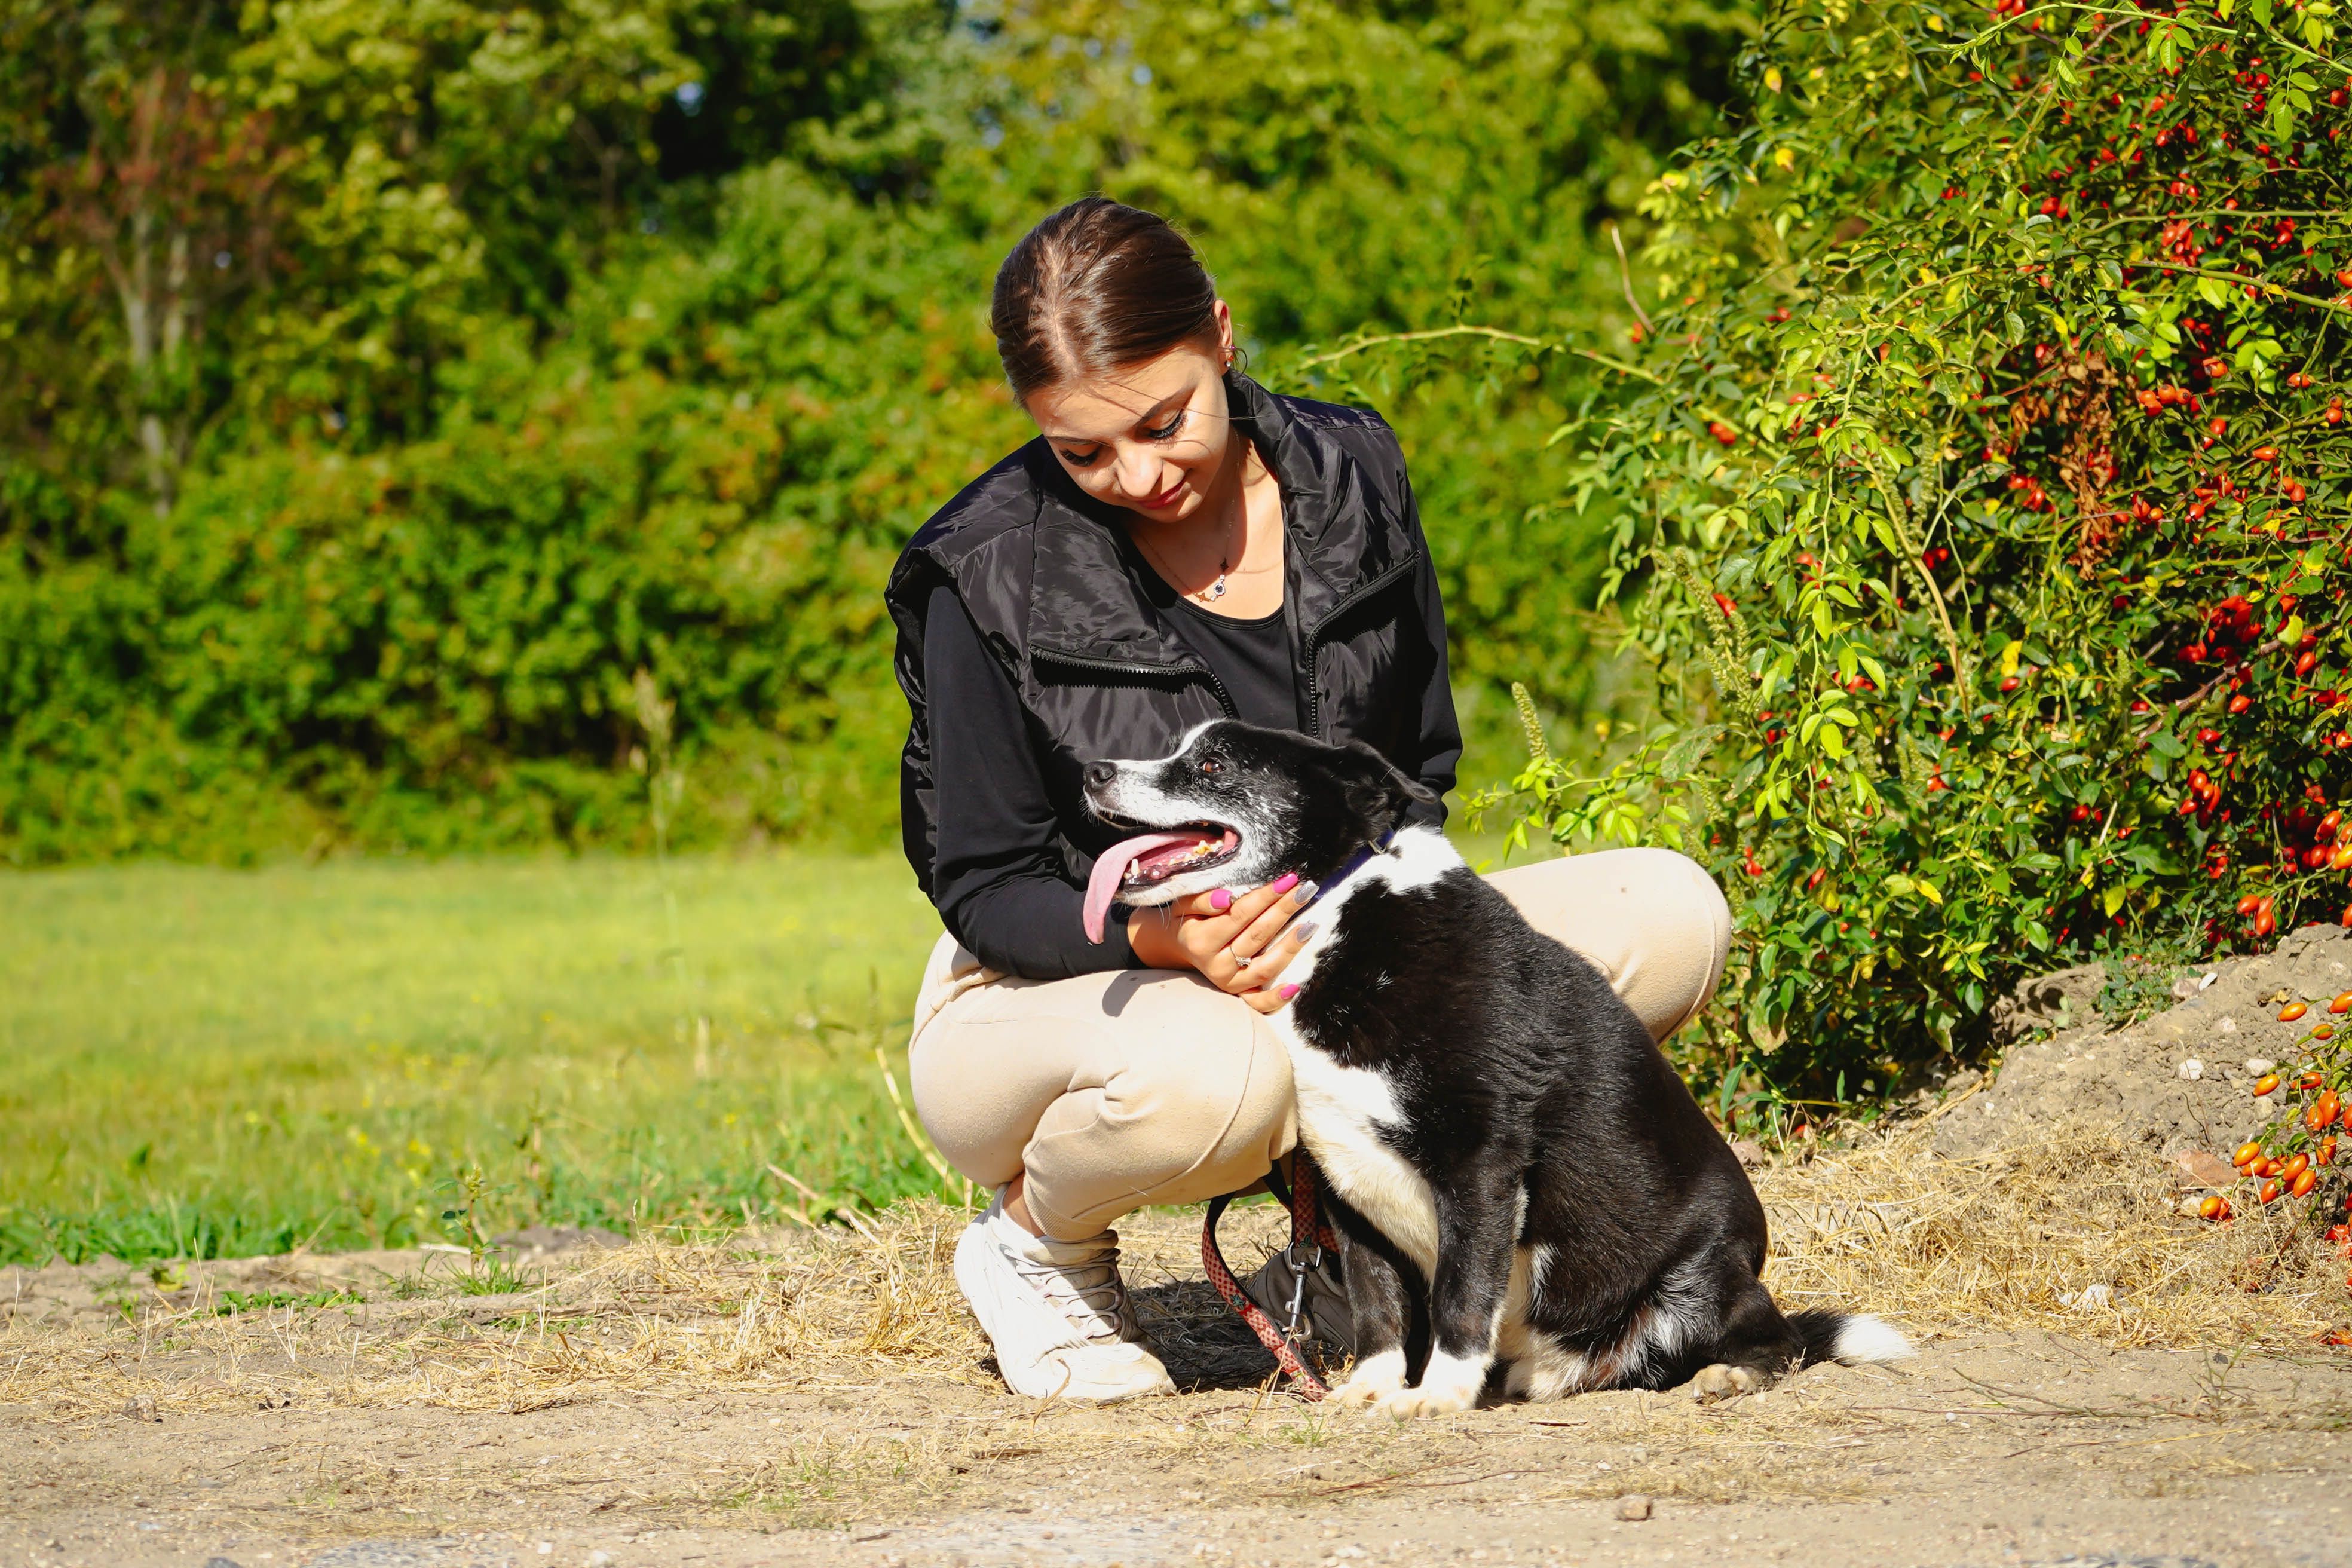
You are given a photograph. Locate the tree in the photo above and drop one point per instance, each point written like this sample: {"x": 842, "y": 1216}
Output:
{"x": 176, "y": 193}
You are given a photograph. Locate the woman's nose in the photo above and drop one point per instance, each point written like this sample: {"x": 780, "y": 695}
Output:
{"x": 1139, "y": 474}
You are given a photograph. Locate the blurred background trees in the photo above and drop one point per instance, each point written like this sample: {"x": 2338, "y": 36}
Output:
{"x": 383, "y": 384}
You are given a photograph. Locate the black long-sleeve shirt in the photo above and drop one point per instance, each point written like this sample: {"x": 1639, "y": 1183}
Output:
{"x": 998, "y": 876}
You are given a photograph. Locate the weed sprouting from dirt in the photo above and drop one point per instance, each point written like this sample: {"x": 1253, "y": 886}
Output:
{"x": 2140, "y": 985}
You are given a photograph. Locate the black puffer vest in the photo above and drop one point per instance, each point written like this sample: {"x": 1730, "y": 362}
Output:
{"x": 1056, "y": 590}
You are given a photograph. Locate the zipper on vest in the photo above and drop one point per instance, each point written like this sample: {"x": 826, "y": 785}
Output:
{"x": 1112, "y": 667}
{"x": 1315, "y": 637}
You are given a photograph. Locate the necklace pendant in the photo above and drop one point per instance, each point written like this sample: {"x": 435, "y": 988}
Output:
{"x": 1217, "y": 589}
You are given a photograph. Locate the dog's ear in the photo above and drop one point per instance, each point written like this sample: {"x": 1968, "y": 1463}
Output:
{"x": 1377, "y": 789}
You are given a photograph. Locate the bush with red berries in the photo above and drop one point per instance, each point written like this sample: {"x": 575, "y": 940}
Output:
{"x": 1983, "y": 481}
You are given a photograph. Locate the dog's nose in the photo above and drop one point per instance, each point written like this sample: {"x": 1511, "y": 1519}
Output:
{"x": 1099, "y": 775}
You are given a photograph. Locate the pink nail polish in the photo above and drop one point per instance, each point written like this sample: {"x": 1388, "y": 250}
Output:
{"x": 1222, "y": 900}
{"x": 1288, "y": 991}
{"x": 1286, "y": 881}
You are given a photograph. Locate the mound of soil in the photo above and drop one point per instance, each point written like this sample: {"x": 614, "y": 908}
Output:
{"x": 2181, "y": 1080}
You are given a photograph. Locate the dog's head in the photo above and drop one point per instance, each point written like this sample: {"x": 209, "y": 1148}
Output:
{"x": 1237, "y": 806}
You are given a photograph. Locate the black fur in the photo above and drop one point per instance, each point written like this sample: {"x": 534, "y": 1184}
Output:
{"x": 1514, "y": 1069}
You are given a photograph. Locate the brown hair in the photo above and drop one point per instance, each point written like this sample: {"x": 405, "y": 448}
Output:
{"x": 1095, "y": 288}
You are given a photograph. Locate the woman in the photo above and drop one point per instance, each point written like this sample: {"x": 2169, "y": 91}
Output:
{"x": 1178, "y": 544}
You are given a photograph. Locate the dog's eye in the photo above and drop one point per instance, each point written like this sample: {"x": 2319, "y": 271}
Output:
{"x": 1212, "y": 765}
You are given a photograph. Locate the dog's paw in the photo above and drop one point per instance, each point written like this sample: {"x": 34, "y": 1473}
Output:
{"x": 1409, "y": 1404}
{"x": 1722, "y": 1382}
{"x": 1448, "y": 1384}
{"x": 1363, "y": 1391}
{"x": 1374, "y": 1380}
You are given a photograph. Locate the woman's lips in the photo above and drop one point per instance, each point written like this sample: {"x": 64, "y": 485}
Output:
{"x": 1164, "y": 499}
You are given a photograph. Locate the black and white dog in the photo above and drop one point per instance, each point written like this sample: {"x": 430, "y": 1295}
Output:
{"x": 1527, "y": 1193}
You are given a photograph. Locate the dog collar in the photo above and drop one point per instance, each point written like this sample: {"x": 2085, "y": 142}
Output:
{"x": 1355, "y": 863}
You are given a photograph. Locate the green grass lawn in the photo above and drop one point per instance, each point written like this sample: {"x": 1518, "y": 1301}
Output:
{"x": 200, "y": 1062}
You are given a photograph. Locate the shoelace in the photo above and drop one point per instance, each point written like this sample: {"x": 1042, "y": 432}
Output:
{"x": 1089, "y": 1293}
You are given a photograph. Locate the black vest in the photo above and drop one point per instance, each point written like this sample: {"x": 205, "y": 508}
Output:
{"x": 1055, "y": 589}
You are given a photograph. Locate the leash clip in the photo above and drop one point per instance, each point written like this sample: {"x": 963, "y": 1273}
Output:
{"x": 1298, "y": 1272}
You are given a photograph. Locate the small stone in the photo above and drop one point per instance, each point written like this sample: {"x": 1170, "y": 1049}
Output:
{"x": 599, "y": 1559}
{"x": 2258, "y": 1065}
{"x": 221, "y": 1563}
{"x": 141, "y": 1407}
{"x": 2227, "y": 1026}
{"x": 2200, "y": 1169}
{"x": 2190, "y": 1071}
{"x": 1634, "y": 1506}
{"x": 1750, "y": 1154}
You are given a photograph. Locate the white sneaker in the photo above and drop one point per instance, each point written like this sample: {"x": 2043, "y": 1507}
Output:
{"x": 1056, "y": 1311}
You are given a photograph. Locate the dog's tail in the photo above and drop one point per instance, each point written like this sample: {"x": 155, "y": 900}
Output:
{"x": 1848, "y": 1337}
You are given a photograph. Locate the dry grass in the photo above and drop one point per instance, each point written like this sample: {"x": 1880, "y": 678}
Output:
{"x": 2012, "y": 1239}
{"x": 756, "y": 1312}
{"x": 1999, "y": 1243}
{"x": 870, "y": 1396}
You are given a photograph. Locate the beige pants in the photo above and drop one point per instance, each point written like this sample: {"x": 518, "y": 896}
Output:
{"x": 1151, "y": 1085}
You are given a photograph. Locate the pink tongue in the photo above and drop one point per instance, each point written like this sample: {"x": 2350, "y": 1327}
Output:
{"x": 1102, "y": 887}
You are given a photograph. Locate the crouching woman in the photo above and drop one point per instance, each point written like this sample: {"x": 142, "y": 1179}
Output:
{"x": 1177, "y": 545}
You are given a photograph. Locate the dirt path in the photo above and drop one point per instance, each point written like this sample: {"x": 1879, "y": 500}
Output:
{"x": 2014, "y": 1450}
{"x": 416, "y": 1427}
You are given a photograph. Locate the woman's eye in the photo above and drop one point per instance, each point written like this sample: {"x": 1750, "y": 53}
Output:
{"x": 1081, "y": 460}
{"x": 1167, "y": 431}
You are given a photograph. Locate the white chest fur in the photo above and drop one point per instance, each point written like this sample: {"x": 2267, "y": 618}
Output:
{"x": 1342, "y": 1109}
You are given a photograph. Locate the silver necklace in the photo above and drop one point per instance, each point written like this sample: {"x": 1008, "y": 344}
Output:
{"x": 1215, "y": 590}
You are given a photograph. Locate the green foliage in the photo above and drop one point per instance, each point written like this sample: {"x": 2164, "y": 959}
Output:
{"x": 1983, "y": 512}
{"x": 559, "y": 342}
{"x": 433, "y": 642}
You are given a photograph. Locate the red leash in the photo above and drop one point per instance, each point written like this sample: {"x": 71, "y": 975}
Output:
{"x": 1311, "y": 1235}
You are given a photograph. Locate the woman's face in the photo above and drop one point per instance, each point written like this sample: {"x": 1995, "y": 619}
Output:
{"x": 1153, "y": 437}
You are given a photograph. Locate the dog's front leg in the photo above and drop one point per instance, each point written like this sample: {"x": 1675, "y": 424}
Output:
{"x": 1381, "y": 1300}
{"x": 1476, "y": 1226}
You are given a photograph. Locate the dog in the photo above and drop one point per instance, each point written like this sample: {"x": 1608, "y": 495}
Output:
{"x": 1529, "y": 1200}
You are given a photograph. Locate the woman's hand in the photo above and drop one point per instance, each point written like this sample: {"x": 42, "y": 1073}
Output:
{"x": 1238, "y": 942}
